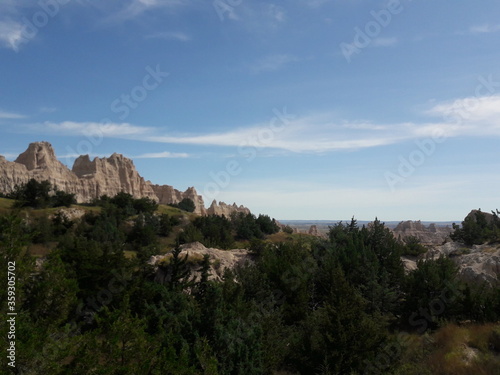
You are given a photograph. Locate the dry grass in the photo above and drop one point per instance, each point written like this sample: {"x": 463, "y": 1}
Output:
{"x": 464, "y": 351}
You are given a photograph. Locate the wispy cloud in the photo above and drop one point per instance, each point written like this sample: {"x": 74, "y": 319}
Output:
{"x": 384, "y": 42}
{"x": 170, "y": 35}
{"x": 484, "y": 29}
{"x": 162, "y": 155}
{"x": 316, "y": 133}
{"x": 272, "y": 63}
{"x": 113, "y": 130}
{"x": 135, "y": 8}
{"x": 11, "y": 34}
{"x": 10, "y": 115}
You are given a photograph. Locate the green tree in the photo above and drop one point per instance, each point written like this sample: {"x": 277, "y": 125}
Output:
{"x": 176, "y": 273}
{"x": 186, "y": 204}
{"x": 32, "y": 194}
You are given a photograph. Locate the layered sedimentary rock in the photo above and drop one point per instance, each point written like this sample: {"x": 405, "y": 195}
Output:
{"x": 168, "y": 195}
{"x": 220, "y": 260}
{"x": 109, "y": 176}
{"x": 90, "y": 179}
{"x": 430, "y": 235}
{"x": 38, "y": 162}
{"x": 222, "y": 208}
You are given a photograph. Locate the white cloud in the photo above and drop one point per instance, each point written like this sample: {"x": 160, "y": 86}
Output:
{"x": 11, "y": 34}
{"x": 92, "y": 129}
{"x": 136, "y": 8}
{"x": 170, "y": 35}
{"x": 484, "y": 29}
{"x": 384, "y": 42}
{"x": 317, "y": 133}
{"x": 162, "y": 155}
{"x": 10, "y": 115}
{"x": 478, "y": 116}
{"x": 272, "y": 63}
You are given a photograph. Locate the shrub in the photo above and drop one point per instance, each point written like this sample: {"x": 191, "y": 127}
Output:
{"x": 186, "y": 205}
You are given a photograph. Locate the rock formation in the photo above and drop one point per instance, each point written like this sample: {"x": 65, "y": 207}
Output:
{"x": 477, "y": 262}
{"x": 428, "y": 235}
{"x": 166, "y": 194}
{"x": 219, "y": 259}
{"x": 109, "y": 176}
{"x": 225, "y": 209}
{"x": 487, "y": 216}
{"x": 90, "y": 179}
{"x": 313, "y": 230}
{"x": 38, "y": 162}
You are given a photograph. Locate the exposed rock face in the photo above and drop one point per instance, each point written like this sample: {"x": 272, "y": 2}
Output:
{"x": 225, "y": 209}
{"x": 219, "y": 259}
{"x": 313, "y": 230}
{"x": 90, "y": 179}
{"x": 109, "y": 176}
{"x": 430, "y": 235}
{"x": 167, "y": 195}
{"x": 473, "y": 215}
{"x": 479, "y": 262}
{"x": 38, "y": 162}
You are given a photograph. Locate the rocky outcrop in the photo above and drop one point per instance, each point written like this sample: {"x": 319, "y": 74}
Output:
{"x": 38, "y": 162}
{"x": 222, "y": 208}
{"x": 477, "y": 263}
{"x": 109, "y": 176}
{"x": 428, "y": 235}
{"x": 219, "y": 260}
{"x": 90, "y": 179}
{"x": 313, "y": 230}
{"x": 168, "y": 195}
{"x": 474, "y": 213}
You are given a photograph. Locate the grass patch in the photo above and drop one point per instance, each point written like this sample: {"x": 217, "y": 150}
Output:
{"x": 6, "y": 203}
{"x": 130, "y": 254}
{"x": 172, "y": 211}
{"x": 454, "y": 350}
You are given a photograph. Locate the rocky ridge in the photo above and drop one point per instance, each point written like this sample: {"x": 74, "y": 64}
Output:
{"x": 428, "y": 235}
{"x": 222, "y": 208}
{"x": 475, "y": 263}
{"x": 90, "y": 179}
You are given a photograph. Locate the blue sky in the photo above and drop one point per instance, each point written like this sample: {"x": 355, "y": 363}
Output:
{"x": 305, "y": 109}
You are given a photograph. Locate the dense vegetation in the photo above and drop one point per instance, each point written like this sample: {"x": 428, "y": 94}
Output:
{"x": 185, "y": 204}
{"x": 306, "y": 305}
{"x": 221, "y": 232}
{"x": 42, "y": 194}
{"x": 478, "y": 228}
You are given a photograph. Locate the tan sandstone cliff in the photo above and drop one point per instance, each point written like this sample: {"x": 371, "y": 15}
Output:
{"x": 166, "y": 194}
{"x": 222, "y": 208}
{"x": 90, "y": 179}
